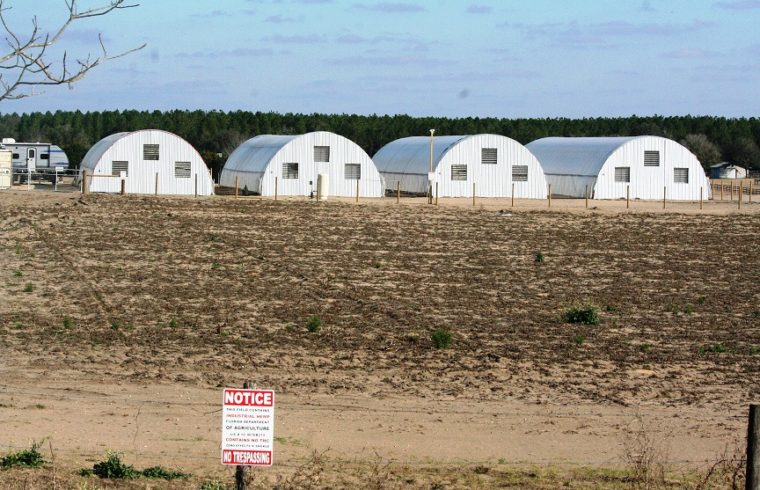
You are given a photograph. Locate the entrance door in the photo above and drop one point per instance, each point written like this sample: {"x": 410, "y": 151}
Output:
{"x": 31, "y": 158}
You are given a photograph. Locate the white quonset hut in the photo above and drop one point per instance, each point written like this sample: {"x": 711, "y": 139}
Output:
{"x": 492, "y": 162}
{"x": 606, "y": 167}
{"x": 296, "y": 161}
{"x": 149, "y": 161}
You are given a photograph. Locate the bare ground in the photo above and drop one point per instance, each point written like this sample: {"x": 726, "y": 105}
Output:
{"x": 121, "y": 317}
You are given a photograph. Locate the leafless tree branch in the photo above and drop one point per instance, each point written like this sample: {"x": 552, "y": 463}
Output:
{"x": 26, "y": 65}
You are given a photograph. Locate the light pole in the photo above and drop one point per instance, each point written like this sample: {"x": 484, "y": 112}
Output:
{"x": 430, "y": 169}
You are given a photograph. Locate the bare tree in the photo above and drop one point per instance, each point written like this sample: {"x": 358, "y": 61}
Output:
{"x": 27, "y": 62}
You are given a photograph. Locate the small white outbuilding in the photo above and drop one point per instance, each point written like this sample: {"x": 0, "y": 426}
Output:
{"x": 491, "y": 162}
{"x": 608, "y": 167}
{"x": 150, "y": 161}
{"x": 293, "y": 163}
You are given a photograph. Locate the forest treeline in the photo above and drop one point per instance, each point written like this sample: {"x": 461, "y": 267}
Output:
{"x": 215, "y": 134}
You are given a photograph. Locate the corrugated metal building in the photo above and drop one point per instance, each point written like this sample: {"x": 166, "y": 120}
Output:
{"x": 608, "y": 166}
{"x": 150, "y": 161}
{"x": 492, "y": 162}
{"x": 295, "y": 161}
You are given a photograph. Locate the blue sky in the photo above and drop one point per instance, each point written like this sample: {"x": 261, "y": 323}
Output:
{"x": 573, "y": 58}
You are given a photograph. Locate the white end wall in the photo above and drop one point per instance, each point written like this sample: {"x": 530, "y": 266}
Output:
{"x": 141, "y": 177}
{"x": 650, "y": 182}
{"x": 301, "y": 150}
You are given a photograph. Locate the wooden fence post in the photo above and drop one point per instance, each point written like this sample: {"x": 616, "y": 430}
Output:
{"x": 586, "y": 196}
{"x": 237, "y": 185}
{"x": 740, "y": 193}
{"x": 156, "y": 190}
{"x": 721, "y": 190}
{"x": 513, "y": 194}
{"x": 357, "y": 191}
{"x": 473, "y": 194}
{"x": 241, "y": 470}
{"x": 549, "y": 195}
{"x": 750, "y": 190}
{"x": 627, "y": 196}
{"x": 664, "y": 195}
{"x": 732, "y": 190}
{"x": 85, "y": 189}
{"x": 123, "y": 186}
{"x": 700, "y": 198}
{"x": 275, "y": 190}
{"x": 436, "y": 193}
{"x": 753, "y": 448}
{"x": 398, "y": 192}
{"x": 196, "y": 185}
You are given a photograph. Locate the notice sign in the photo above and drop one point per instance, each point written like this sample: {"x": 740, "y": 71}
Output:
{"x": 247, "y": 427}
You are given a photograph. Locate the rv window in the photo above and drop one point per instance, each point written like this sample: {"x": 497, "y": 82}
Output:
{"x": 44, "y": 156}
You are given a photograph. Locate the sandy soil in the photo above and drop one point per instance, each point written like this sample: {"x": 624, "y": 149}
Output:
{"x": 121, "y": 318}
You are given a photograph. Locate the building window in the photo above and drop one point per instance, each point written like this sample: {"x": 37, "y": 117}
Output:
{"x": 622, "y": 174}
{"x": 16, "y": 156}
{"x": 44, "y": 156}
{"x": 150, "y": 152}
{"x": 117, "y": 167}
{"x": 459, "y": 172}
{"x": 488, "y": 156}
{"x": 290, "y": 170}
{"x": 31, "y": 153}
{"x": 519, "y": 173}
{"x": 353, "y": 171}
{"x": 651, "y": 158}
{"x": 321, "y": 153}
{"x": 182, "y": 170}
{"x": 681, "y": 175}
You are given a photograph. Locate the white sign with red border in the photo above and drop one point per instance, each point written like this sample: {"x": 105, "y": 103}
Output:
{"x": 247, "y": 427}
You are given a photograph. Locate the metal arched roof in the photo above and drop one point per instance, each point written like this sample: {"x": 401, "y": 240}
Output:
{"x": 94, "y": 154}
{"x": 412, "y": 154}
{"x": 577, "y": 156}
{"x": 254, "y": 154}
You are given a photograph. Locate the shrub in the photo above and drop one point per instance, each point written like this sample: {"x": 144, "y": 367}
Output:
{"x": 579, "y": 339}
{"x": 172, "y": 323}
{"x": 161, "y": 472}
{"x": 213, "y": 485}
{"x": 313, "y": 324}
{"x": 718, "y": 348}
{"x": 29, "y": 287}
{"x": 113, "y": 467}
{"x": 539, "y": 257}
{"x": 67, "y": 322}
{"x": 18, "y": 274}
{"x": 29, "y": 458}
{"x": 441, "y": 338}
{"x": 586, "y": 314}
{"x": 754, "y": 350}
